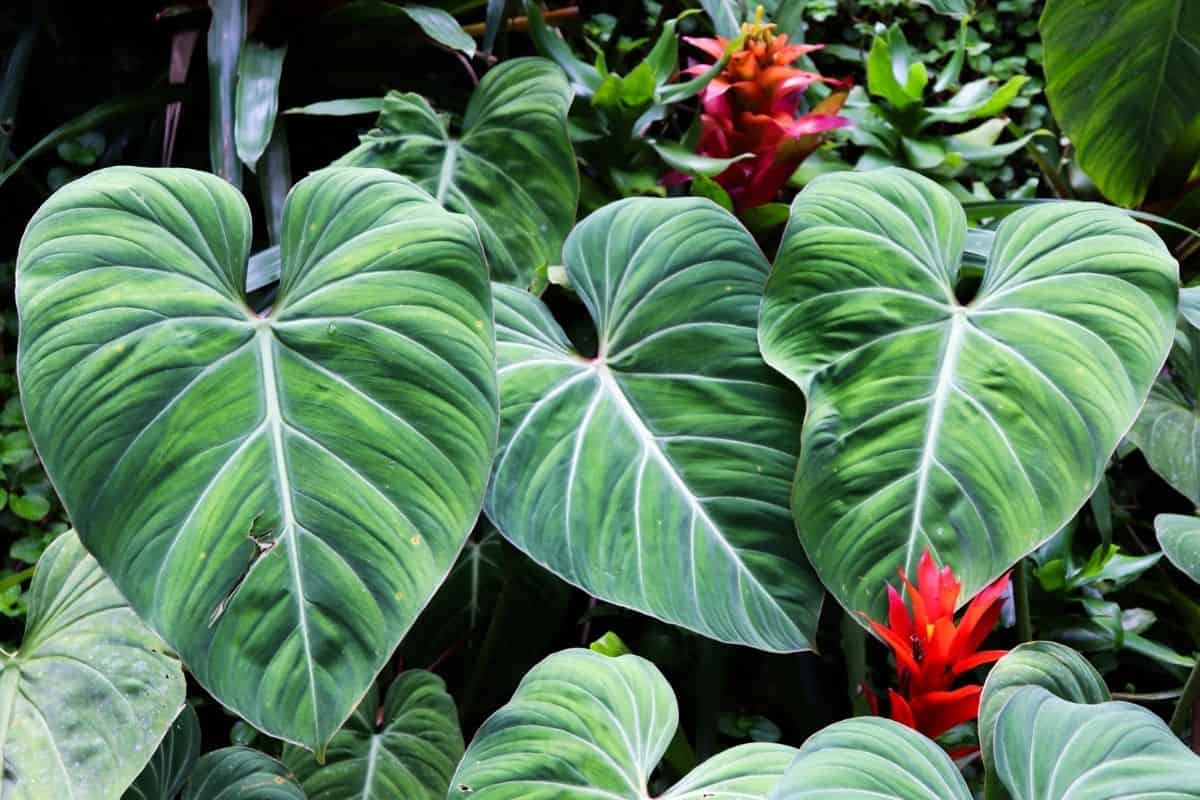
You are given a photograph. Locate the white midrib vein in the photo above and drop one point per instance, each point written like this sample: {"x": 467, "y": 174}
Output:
{"x": 288, "y": 531}
{"x": 933, "y": 425}
{"x": 446, "y": 176}
{"x": 650, "y": 444}
{"x": 372, "y": 761}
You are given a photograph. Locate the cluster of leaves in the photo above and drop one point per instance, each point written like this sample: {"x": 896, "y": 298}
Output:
{"x": 277, "y": 464}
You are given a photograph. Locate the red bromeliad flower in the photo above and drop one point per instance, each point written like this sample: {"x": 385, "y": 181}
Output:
{"x": 750, "y": 108}
{"x": 932, "y": 652}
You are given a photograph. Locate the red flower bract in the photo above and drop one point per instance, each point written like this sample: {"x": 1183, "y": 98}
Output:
{"x": 750, "y": 109}
{"x": 932, "y": 652}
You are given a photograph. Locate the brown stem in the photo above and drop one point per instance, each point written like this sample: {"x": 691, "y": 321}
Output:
{"x": 558, "y": 16}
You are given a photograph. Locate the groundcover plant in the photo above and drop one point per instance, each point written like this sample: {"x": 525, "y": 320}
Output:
{"x": 671, "y": 400}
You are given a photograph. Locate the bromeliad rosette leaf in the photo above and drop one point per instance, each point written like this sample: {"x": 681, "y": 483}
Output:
{"x": 583, "y": 726}
{"x": 655, "y": 475}
{"x": 278, "y": 494}
{"x": 86, "y": 698}
{"x": 974, "y": 430}
{"x": 511, "y": 169}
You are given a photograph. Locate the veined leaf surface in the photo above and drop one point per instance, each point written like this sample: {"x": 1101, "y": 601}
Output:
{"x": 172, "y": 762}
{"x": 90, "y": 692}
{"x": 1179, "y": 537}
{"x": 411, "y": 755}
{"x": 656, "y": 474}
{"x": 240, "y": 772}
{"x": 277, "y": 495}
{"x": 512, "y": 169}
{"x": 975, "y": 431}
{"x": 874, "y": 759}
{"x": 583, "y": 726}
{"x": 1046, "y": 748}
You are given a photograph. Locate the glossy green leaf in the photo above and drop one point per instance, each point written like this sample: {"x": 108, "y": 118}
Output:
{"x": 511, "y": 170}
{"x": 583, "y": 726}
{"x": 1179, "y": 537}
{"x": 871, "y": 757}
{"x": 726, "y": 16}
{"x": 1047, "y": 748}
{"x": 257, "y": 99}
{"x": 90, "y": 692}
{"x": 410, "y": 754}
{"x": 441, "y": 26}
{"x": 278, "y": 495}
{"x": 1052, "y": 666}
{"x": 172, "y": 762}
{"x": 239, "y": 772}
{"x": 890, "y": 73}
{"x": 973, "y": 431}
{"x": 226, "y": 36}
{"x": 638, "y": 475}
{"x": 585, "y": 79}
{"x": 1123, "y": 81}
{"x": 679, "y": 158}
{"x": 976, "y": 100}
{"x": 340, "y": 108}
{"x": 953, "y": 8}
{"x": 1167, "y": 430}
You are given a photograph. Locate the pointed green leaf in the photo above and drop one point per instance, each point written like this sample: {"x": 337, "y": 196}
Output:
{"x": 1179, "y": 537}
{"x": 512, "y": 170}
{"x": 583, "y": 726}
{"x": 973, "y": 431}
{"x": 237, "y": 772}
{"x": 172, "y": 762}
{"x": 1052, "y": 666}
{"x": 637, "y": 475}
{"x": 726, "y": 16}
{"x": 257, "y": 102}
{"x": 1047, "y": 748}
{"x": 90, "y": 692}
{"x": 349, "y": 107}
{"x": 441, "y": 26}
{"x": 871, "y": 757}
{"x": 410, "y": 755}
{"x": 1124, "y": 83}
{"x": 278, "y": 495}
{"x": 976, "y": 100}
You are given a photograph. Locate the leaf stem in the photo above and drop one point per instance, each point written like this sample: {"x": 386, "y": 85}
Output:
{"x": 1189, "y": 708}
{"x": 1021, "y": 602}
{"x": 854, "y": 648}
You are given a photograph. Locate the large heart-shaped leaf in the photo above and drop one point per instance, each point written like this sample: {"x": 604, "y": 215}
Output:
{"x": 1047, "y": 748}
{"x": 1124, "y": 82}
{"x": 584, "y": 726}
{"x": 1168, "y": 429}
{"x": 410, "y": 754}
{"x": 972, "y": 431}
{"x": 277, "y": 495}
{"x": 1179, "y": 538}
{"x": 511, "y": 169}
{"x": 871, "y": 757}
{"x": 90, "y": 692}
{"x": 656, "y": 474}
{"x": 240, "y": 772}
{"x": 172, "y": 762}
{"x": 1052, "y": 666}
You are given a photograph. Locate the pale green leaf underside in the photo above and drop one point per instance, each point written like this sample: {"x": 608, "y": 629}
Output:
{"x": 171, "y": 763}
{"x": 278, "y": 496}
{"x": 656, "y": 475}
{"x": 90, "y": 692}
{"x": 1179, "y": 538}
{"x": 583, "y": 726}
{"x": 1047, "y": 748}
{"x": 871, "y": 758}
{"x": 1123, "y": 80}
{"x": 972, "y": 431}
{"x": 512, "y": 170}
{"x": 411, "y": 755}
{"x": 1052, "y": 666}
{"x": 240, "y": 773}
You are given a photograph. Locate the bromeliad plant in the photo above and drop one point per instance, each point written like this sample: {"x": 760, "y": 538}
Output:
{"x": 273, "y": 472}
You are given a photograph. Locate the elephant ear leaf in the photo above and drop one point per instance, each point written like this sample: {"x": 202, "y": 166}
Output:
{"x": 511, "y": 169}
{"x": 1047, "y": 748}
{"x": 411, "y": 754}
{"x": 278, "y": 495}
{"x": 635, "y": 474}
{"x": 583, "y": 726}
{"x": 241, "y": 772}
{"x": 1179, "y": 538}
{"x": 976, "y": 430}
{"x": 1055, "y": 667}
{"x": 86, "y": 698}
{"x": 871, "y": 757}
